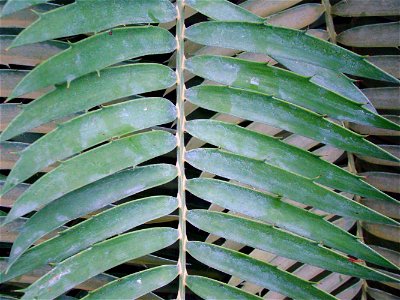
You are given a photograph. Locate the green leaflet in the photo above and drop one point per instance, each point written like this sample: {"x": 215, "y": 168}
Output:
{"x": 89, "y": 91}
{"x": 135, "y": 285}
{"x": 15, "y": 227}
{"x": 328, "y": 79}
{"x": 285, "y": 43}
{"x": 88, "y": 130}
{"x": 223, "y": 10}
{"x": 80, "y": 237}
{"x": 267, "y": 177}
{"x": 211, "y": 289}
{"x": 93, "y": 16}
{"x": 274, "y": 240}
{"x": 88, "y": 199}
{"x": 255, "y": 271}
{"x": 332, "y": 80}
{"x": 13, "y": 6}
{"x": 284, "y": 85}
{"x": 272, "y": 111}
{"x": 96, "y": 53}
{"x": 90, "y": 167}
{"x": 275, "y": 152}
{"x": 274, "y": 211}
{"x": 117, "y": 250}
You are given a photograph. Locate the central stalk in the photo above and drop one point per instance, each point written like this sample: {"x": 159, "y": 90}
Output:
{"x": 180, "y": 99}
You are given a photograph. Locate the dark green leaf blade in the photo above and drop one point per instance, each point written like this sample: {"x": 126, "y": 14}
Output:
{"x": 267, "y": 177}
{"x": 285, "y": 43}
{"x": 95, "y": 53}
{"x": 211, "y": 289}
{"x": 255, "y": 271}
{"x": 284, "y": 215}
{"x": 275, "y": 152}
{"x": 94, "y": 16}
{"x": 278, "y": 113}
{"x": 88, "y": 130}
{"x": 79, "y": 237}
{"x": 276, "y": 241}
{"x": 135, "y": 285}
{"x": 91, "y": 166}
{"x": 284, "y": 85}
{"x": 331, "y": 80}
{"x": 120, "y": 249}
{"x": 88, "y": 199}
{"x": 89, "y": 91}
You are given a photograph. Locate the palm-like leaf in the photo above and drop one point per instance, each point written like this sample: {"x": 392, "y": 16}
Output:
{"x": 92, "y": 157}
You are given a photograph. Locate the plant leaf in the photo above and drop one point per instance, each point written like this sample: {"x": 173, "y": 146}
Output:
{"x": 135, "y": 285}
{"x": 89, "y": 130}
{"x": 80, "y": 237}
{"x": 91, "y": 166}
{"x": 258, "y": 272}
{"x": 275, "y": 152}
{"x": 94, "y": 16}
{"x": 89, "y": 91}
{"x": 284, "y": 215}
{"x": 120, "y": 249}
{"x": 96, "y": 53}
{"x": 88, "y": 199}
{"x": 298, "y": 17}
{"x": 284, "y": 85}
{"x": 278, "y": 113}
{"x": 286, "y": 43}
{"x": 211, "y": 289}
{"x": 266, "y": 237}
{"x": 267, "y": 177}
{"x": 331, "y": 80}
